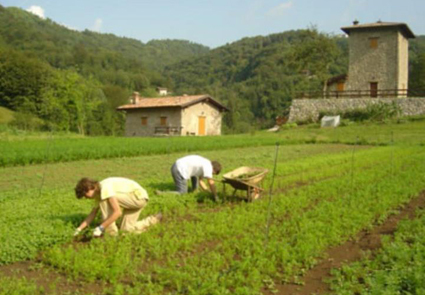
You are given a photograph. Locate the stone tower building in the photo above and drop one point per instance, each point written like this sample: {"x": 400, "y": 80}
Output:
{"x": 378, "y": 59}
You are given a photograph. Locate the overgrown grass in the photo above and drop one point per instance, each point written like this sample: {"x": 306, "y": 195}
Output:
{"x": 59, "y": 149}
{"x": 6, "y": 115}
{"x": 320, "y": 199}
{"x": 323, "y": 195}
{"x": 398, "y": 268}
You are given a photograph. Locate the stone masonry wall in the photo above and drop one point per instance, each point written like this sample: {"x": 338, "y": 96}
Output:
{"x": 308, "y": 109}
{"x": 385, "y": 65}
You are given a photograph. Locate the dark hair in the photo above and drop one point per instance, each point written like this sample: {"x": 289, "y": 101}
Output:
{"x": 84, "y": 185}
{"x": 216, "y": 167}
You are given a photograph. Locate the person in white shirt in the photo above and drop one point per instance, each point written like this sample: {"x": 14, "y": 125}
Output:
{"x": 195, "y": 168}
{"x": 115, "y": 197}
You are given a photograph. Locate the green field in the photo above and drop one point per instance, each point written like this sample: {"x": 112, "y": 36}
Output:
{"x": 330, "y": 184}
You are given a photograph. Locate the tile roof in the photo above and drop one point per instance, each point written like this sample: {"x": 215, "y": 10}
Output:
{"x": 402, "y": 26}
{"x": 171, "y": 101}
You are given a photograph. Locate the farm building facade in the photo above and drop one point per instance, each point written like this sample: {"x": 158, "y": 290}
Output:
{"x": 377, "y": 74}
{"x": 378, "y": 61}
{"x": 174, "y": 115}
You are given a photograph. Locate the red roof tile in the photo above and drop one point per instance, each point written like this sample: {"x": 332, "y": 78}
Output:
{"x": 171, "y": 101}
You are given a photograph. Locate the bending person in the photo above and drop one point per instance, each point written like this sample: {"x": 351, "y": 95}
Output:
{"x": 115, "y": 197}
{"x": 195, "y": 168}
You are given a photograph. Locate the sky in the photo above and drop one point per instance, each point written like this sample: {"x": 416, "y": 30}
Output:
{"x": 214, "y": 23}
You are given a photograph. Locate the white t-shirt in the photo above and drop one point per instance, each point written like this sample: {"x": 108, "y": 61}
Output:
{"x": 194, "y": 165}
{"x": 118, "y": 186}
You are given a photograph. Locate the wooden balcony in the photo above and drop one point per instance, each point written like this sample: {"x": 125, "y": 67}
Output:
{"x": 167, "y": 130}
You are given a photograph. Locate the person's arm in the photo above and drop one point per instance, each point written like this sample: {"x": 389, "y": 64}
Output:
{"x": 211, "y": 184}
{"x": 212, "y": 188}
{"x": 115, "y": 214}
{"x": 88, "y": 219}
{"x": 202, "y": 185}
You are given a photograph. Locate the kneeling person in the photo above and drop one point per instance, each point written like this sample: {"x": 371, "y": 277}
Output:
{"x": 115, "y": 196}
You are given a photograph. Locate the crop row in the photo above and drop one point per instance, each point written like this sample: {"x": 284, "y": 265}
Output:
{"x": 63, "y": 150}
{"x": 59, "y": 149}
{"x": 43, "y": 217}
{"x": 398, "y": 268}
{"x": 226, "y": 252}
{"x": 52, "y": 214}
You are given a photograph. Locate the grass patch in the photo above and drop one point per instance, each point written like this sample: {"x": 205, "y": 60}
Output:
{"x": 6, "y": 115}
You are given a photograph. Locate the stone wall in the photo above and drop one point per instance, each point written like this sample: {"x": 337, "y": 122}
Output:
{"x": 133, "y": 123}
{"x": 185, "y": 118}
{"x": 308, "y": 109}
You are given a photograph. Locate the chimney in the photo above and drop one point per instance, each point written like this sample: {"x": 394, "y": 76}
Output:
{"x": 355, "y": 22}
{"x": 135, "y": 98}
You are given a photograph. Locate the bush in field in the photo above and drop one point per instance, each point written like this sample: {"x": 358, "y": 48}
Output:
{"x": 380, "y": 111}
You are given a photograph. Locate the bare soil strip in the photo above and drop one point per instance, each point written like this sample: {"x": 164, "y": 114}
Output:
{"x": 349, "y": 252}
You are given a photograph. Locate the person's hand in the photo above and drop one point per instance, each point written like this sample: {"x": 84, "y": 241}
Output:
{"x": 98, "y": 231}
{"x": 77, "y": 232}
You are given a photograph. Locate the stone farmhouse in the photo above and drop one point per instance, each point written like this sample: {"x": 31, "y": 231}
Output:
{"x": 378, "y": 61}
{"x": 174, "y": 115}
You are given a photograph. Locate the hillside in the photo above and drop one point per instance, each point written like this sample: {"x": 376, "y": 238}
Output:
{"x": 257, "y": 77}
{"x": 74, "y": 80}
{"x": 6, "y": 115}
{"x": 83, "y": 76}
{"x": 88, "y": 51}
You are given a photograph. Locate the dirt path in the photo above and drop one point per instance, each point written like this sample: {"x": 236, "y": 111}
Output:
{"x": 349, "y": 252}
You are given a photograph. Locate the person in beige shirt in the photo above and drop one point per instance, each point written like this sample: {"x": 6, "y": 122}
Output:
{"x": 115, "y": 197}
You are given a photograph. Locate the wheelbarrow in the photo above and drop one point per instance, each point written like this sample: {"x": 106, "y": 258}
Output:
{"x": 246, "y": 179}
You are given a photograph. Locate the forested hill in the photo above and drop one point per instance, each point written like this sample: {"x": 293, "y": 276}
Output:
{"x": 55, "y": 77}
{"x": 257, "y": 77}
{"x": 90, "y": 51}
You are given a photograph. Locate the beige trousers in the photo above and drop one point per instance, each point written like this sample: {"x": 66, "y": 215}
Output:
{"x": 131, "y": 207}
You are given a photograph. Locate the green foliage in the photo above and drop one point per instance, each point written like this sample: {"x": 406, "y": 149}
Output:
{"x": 23, "y": 149}
{"x": 323, "y": 195}
{"x": 6, "y": 115}
{"x": 396, "y": 269}
{"x": 257, "y": 77}
{"x": 379, "y": 111}
{"x": 22, "y": 286}
{"x": 207, "y": 243}
{"x": 62, "y": 100}
{"x": 73, "y": 81}
{"x": 417, "y": 76}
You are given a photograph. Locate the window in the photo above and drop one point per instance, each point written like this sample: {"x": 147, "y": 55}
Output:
{"x": 163, "y": 121}
{"x": 373, "y": 42}
{"x": 144, "y": 121}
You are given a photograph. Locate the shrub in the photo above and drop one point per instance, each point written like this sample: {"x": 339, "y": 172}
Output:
{"x": 379, "y": 111}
